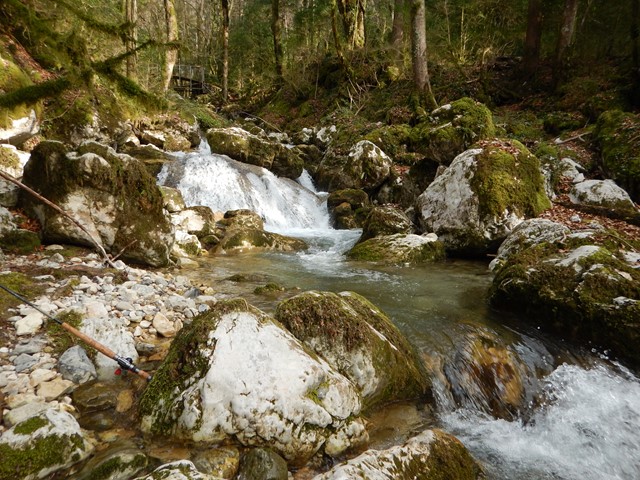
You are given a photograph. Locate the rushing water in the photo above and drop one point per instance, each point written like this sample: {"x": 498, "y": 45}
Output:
{"x": 580, "y": 414}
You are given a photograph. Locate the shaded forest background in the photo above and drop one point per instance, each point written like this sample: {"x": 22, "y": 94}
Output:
{"x": 291, "y": 60}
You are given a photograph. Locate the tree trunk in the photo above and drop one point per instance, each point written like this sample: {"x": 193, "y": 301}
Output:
{"x": 352, "y": 13}
{"x": 130, "y": 9}
{"x": 419, "y": 53}
{"x": 565, "y": 39}
{"x": 336, "y": 34}
{"x": 171, "y": 52}
{"x": 276, "y": 29}
{"x": 226, "y": 6}
{"x": 397, "y": 29}
{"x": 533, "y": 37}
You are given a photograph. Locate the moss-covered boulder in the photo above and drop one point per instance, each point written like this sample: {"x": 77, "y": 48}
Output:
{"x": 178, "y": 470}
{"x": 358, "y": 339}
{"x": 172, "y": 199}
{"x": 348, "y": 208}
{"x": 248, "y": 148}
{"x": 482, "y": 196}
{"x": 399, "y": 249}
{"x": 121, "y": 460}
{"x": 385, "y": 220}
{"x": 617, "y": 134}
{"x": 41, "y": 445}
{"x": 451, "y": 129}
{"x": 603, "y": 197}
{"x": 262, "y": 464}
{"x": 111, "y": 195}
{"x": 432, "y": 455}
{"x": 578, "y": 285}
{"x": 364, "y": 167}
{"x": 236, "y": 374}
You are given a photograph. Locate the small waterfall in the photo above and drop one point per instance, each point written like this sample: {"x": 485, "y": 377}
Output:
{"x": 223, "y": 184}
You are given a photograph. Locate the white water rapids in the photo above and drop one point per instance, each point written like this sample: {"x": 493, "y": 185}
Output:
{"x": 584, "y": 421}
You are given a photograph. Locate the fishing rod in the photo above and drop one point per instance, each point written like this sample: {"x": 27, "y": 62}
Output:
{"x": 125, "y": 364}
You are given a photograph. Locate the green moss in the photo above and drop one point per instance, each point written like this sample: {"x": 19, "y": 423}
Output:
{"x": 20, "y": 242}
{"x": 60, "y": 339}
{"x": 507, "y": 177}
{"x": 115, "y": 467}
{"x": 382, "y": 249}
{"x": 391, "y": 139}
{"x": 449, "y": 459}
{"x": 8, "y": 158}
{"x": 30, "y": 425}
{"x": 44, "y": 452}
{"x": 268, "y": 289}
{"x": 20, "y": 283}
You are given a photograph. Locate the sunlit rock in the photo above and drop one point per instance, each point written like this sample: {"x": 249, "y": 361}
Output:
{"x": 234, "y": 373}
{"x": 399, "y": 249}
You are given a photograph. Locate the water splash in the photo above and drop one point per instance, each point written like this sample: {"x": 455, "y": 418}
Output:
{"x": 586, "y": 428}
{"x": 223, "y": 184}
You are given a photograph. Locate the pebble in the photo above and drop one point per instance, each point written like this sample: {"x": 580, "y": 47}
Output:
{"x": 23, "y": 362}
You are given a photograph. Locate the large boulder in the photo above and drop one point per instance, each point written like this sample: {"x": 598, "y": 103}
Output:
{"x": 348, "y": 207}
{"x": 110, "y": 194}
{"x": 245, "y": 147}
{"x": 451, "y": 129}
{"x": 364, "y": 167}
{"x": 482, "y": 196}
{"x": 603, "y": 196}
{"x": 572, "y": 283}
{"x": 358, "y": 339}
{"x": 399, "y": 249}
{"x": 235, "y": 373}
{"x": 431, "y": 455}
{"x": 41, "y": 445}
{"x": 616, "y": 134}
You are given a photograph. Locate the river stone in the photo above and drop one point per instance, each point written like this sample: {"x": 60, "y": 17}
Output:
{"x": 360, "y": 341}
{"x": 172, "y": 199}
{"x": 30, "y": 324}
{"x": 43, "y": 444}
{"x": 163, "y": 325}
{"x": 23, "y": 412}
{"x": 402, "y": 249}
{"x": 222, "y": 462}
{"x": 120, "y": 461}
{"x": 385, "y": 220}
{"x": 7, "y": 223}
{"x": 199, "y": 221}
{"x": 262, "y": 464}
{"x": 74, "y": 365}
{"x": 604, "y": 194}
{"x": 482, "y": 196}
{"x": 179, "y": 470}
{"x": 245, "y": 147}
{"x": 348, "y": 207}
{"x": 54, "y": 389}
{"x": 112, "y": 195}
{"x": 234, "y": 373}
{"x": 433, "y": 454}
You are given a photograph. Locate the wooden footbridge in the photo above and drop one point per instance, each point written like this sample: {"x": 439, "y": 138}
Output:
{"x": 189, "y": 80}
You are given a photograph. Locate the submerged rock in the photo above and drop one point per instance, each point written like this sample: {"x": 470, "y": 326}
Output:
{"x": 234, "y": 373}
{"x": 433, "y": 454}
{"x": 120, "y": 461}
{"x": 482, "y": 196}
{"x": 45, "y": 443}
{"x": 262, "y": 464}
{"x": 179, "y": 470}
{"x": 360, "y": 341}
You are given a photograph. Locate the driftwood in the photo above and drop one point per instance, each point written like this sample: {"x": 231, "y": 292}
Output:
{"x": 35, "y": 194}
{"x": 557, "y": 141}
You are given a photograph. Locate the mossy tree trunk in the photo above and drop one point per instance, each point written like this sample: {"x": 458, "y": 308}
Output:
{"x": 130, "y": 9}
{"x": 336, "y": 34}
{"x": 276, "y": 30}
{"x": 171, "y": 54}
{"x": 226, "y": 7}
{"x": 421, "y": 79}
{"x": 397, "y": 28}
{"x": 533, "y": 37}
{"x": 352, "y": 13}
{"x": 565, "y": 39}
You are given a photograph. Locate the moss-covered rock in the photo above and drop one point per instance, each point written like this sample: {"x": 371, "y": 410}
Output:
{"x": 262, "y": 464}
{"x": 364, "y": 167}
{"x": 617, "y": 134}
{"x": 35, "y": 448}
{"x": 19, "y": 241}
{"x": 112, "y": 195}
{"x": 385, "y": 220}
{"x": 575, "y": 286}
{"x": 121, "y": 460}
{"x": 482, "y": 196}
{"x": 451, "y": 129}
{"x": 399, "y": 249}
{"x": 242, "y": 240}
{"x": 358, "y": 339}
{"x": 432, "y": 455}
{"x": 235, "y": 373}
{"x": 348, "y": 208}
{"x": 604, "y": 197}
{"x": 248, "y": 148}
{"x": 178, "y": 470}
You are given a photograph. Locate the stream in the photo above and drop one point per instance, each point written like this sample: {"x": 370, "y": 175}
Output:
{"x": 578, "y": 414}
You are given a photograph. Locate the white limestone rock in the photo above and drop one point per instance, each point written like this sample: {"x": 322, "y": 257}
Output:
{"x": 601, "y": 193}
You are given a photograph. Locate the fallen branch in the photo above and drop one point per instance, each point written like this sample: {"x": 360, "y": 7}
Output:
{"x": 123, "y": 250}
{"x": 44, "y": 200}
{"x": 557, "y": 141}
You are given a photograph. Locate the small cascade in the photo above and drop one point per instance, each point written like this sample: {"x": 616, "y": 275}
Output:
{"x": 223, "y": 184}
